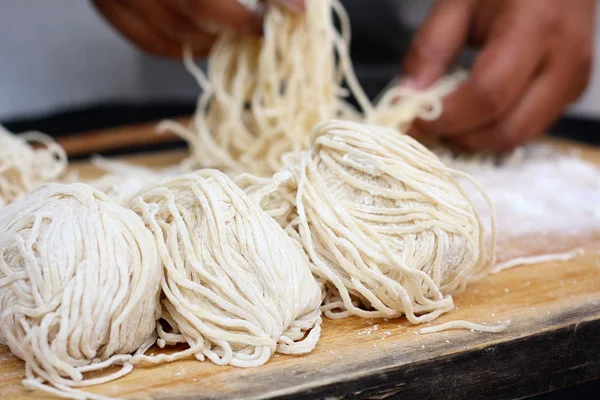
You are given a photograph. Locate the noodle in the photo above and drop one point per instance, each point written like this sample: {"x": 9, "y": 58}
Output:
{"x": 386, "y": 224}
{"x": 79, "y": 286}
{"x": 466, "y": 325}
{"x": 236, "y": 287}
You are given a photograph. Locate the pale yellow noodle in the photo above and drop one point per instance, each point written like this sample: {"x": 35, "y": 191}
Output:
{"x": 79, "y": 287}
{"x": 237, "y": 287}
{"x": 387, "y": 226}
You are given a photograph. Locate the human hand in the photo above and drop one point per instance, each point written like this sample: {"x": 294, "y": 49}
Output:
{"x": 163, "y": 27}
{"x": 535, "y": 60}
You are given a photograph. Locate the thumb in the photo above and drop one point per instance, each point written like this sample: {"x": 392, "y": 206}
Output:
{"x": 438, "y": 42}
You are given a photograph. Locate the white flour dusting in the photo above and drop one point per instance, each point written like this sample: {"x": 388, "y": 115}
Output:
{"x": 539, "y": 194}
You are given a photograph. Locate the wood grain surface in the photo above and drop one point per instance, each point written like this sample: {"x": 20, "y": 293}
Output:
{"x": 553, "y": 342}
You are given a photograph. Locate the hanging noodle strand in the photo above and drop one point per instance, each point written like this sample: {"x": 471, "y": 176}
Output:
{"x": 262, "y": 96}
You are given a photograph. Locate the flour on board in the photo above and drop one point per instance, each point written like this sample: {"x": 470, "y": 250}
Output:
{"x": 539, "y": 194}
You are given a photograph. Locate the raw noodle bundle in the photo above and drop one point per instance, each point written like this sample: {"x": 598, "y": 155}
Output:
{"x": 385, "y": 223}
{"x": 79, "y": 286}
{"x": 236, "y": 287}
{"x": 23, "y": 168}
{"x": 263, "y": 95}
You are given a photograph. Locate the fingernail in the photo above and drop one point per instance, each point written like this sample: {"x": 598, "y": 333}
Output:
{"x": 294, "y": 6}
{"x": 407, "y": 82}
{"x": 254, "y": 6}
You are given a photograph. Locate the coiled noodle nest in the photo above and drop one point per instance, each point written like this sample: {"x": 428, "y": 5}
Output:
{"x": 237, "y": 288}
{"x": 79, "y": 286}
{"x": 386, "y": 224}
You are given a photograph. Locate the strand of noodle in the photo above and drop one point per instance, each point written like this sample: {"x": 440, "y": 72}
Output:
{"x": 539, "y": 259}
{"x": 459, "y": 324}
{"x": 258, "y": 102}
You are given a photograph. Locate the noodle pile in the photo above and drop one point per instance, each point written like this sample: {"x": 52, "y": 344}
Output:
{"x": 23, "y": 168}
{"x": 236, "y": 287}
{"x": 79, "y": 286}
{"x": 385, "y": 223}
{"x": 263, "y": 96}
{"x": 378, "y": 219}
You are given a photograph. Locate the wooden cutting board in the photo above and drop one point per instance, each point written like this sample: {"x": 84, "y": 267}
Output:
{"x": 553, "y": 342}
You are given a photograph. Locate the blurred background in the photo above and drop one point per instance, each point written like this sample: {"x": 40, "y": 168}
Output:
{"x": 65, "y": 70}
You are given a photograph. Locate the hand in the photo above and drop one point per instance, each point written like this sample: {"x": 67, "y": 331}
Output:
{"x": 163, "y": 27}
{"x": 535, "y": 60}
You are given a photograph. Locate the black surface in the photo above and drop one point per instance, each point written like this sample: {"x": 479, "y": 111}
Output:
{"x": 580, "y": 129}
{"x": 585, "y": 391}
{"x": 99, "y": 117}
{"x": 516, "y": 369}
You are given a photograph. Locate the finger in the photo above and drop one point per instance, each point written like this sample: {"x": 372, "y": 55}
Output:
{"x": 137, "y": 30}
{"x": 539, "y": 108}
{"x": 562, "y": 80}
{"x": 438, "y": 42}
{"x": 497, "y": 138}
{"x": 496, "y": 83}
{"x": 171, "y": 22}
{"x": 225, "y": 13}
